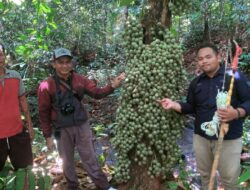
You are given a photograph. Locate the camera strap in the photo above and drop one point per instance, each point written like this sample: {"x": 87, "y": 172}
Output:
{"x": 67, "y": 86}
{"x": 70, "y": 111}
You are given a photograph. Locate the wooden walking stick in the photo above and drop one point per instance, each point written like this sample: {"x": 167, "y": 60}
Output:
{"x": 224, "y": 126}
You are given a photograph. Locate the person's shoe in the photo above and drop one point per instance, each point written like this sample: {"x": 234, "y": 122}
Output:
{"x": 111, "y": 188}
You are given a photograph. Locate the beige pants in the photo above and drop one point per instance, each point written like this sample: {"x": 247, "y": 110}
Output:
{"x": 229, "y": 164}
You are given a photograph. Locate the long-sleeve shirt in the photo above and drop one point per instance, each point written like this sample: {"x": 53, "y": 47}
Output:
{"x": 47, "y": 93}
{"x": 201, "y": 100}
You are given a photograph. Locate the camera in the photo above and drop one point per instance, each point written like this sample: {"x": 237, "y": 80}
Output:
{"x": 67, "y": 109}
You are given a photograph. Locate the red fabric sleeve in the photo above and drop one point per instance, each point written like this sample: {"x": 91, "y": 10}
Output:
{"x": 45, "y": 108}
{"x": 92, "y": 90}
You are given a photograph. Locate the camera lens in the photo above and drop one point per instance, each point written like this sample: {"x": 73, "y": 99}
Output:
{"x": 67, "y": 109}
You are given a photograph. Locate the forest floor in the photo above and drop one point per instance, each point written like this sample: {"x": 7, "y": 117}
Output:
{"x": 86, "y": 184}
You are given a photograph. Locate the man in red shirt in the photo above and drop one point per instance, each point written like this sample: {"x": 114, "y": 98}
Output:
{"x": 15, "y": 141}
{"x": 60, "y": 108}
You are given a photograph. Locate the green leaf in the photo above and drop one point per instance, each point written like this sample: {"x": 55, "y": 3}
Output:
{"x": 99, "y": 129}
{"x": 44, "y": 47}
{"x": 20, "y": 179}
{"x": 1, "y": 5}
{"x": 172, "y": 185}
{"x": 34, "y": 32}
{"x": 245, "y": 176}
{"x": 112, "y": 125}
{"x": 34, "y": 2}
{"x": 53, "y": 25}
{"x": 35, "y": 21}
{"x": 41, "y": 184}
{"x": 44, "y": 8}
{"x": 174, "y": 31}
{"x": 30, "y": 29}
{"x": 5, "y": 171}
{"x": 20, "y": 49}
{"x": 101, "y": 159}
{"x": 125, "y": 2}
{"x": 183, "y": 174}
{"x": 23, "y": 37}
{"x": 31, "y": 180}
{"x": 58, "y": 2}
{"x": 11, "y": 183}
{"x": 39, "y": 38}
{"x": 47, "y": 31}
{"x": 47, "y": 182}
{"x": 1, "y": 183}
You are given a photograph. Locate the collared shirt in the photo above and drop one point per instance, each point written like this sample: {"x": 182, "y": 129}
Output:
{"x": 13, "y": 74}
{"x": 201, "y": 100}
{"x": 11, "y": 88}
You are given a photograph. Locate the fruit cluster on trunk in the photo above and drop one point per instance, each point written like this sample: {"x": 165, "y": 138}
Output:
{"x": 145, "y": 133}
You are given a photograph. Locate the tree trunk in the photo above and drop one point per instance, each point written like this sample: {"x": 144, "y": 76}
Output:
{"x": 140, "y": 180}
{"x": 158, "y": 12}
{"x": 206, "y": 34}
{"x": 126, "y": 13}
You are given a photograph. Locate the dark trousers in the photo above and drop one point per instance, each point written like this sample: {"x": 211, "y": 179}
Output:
{"x": 80, "y": 137}
{"x": 18, "y": 148}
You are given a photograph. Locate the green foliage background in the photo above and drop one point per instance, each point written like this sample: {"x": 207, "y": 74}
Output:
{"x": 31, "y": 30}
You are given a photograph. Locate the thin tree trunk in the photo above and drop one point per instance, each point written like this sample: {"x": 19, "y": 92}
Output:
{"x": 126, "y": 13}
{"x": 206, "y": 34}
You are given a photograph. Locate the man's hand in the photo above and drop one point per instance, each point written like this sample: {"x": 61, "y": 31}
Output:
{"x": 50, "y": 143}
{"x": 169, "y": 104}
{"x": 117, "y": 80}
{"x": 166, "y": 103}
{"x": 25, "y": 108}
{"x": 227, "y": 114}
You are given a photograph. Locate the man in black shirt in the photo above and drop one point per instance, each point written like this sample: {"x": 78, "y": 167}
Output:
{"x": 201, "y": 101}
